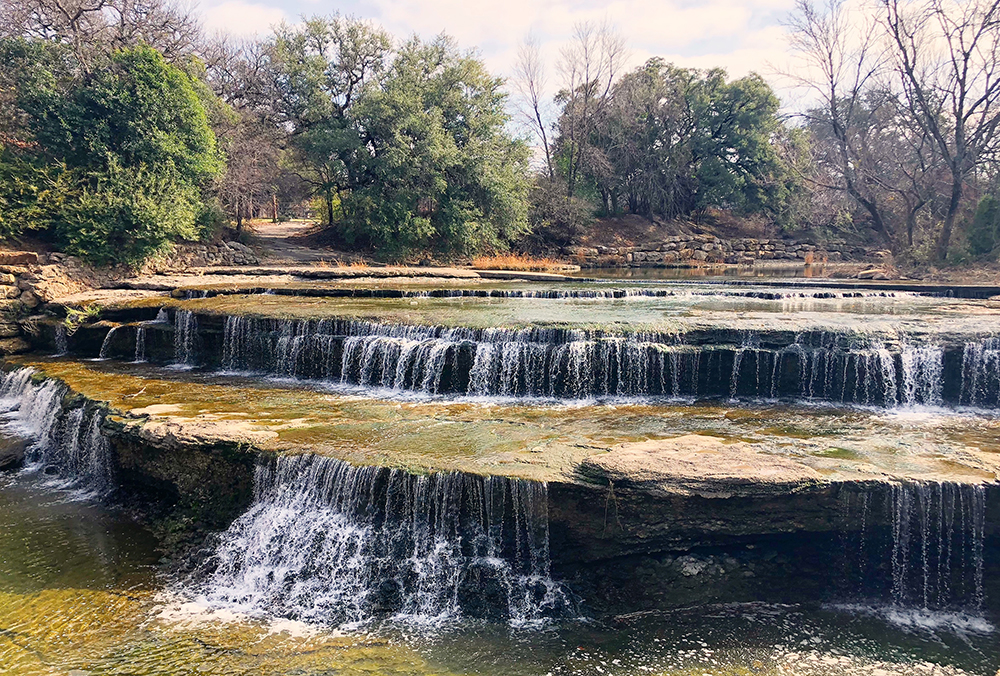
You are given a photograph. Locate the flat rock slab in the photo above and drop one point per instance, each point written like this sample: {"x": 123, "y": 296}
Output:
{"x": 515, "y": 275}
{"x": 308, "y": 272}
{"x": 169, "y": 432}
{"x": 695, "y": 464}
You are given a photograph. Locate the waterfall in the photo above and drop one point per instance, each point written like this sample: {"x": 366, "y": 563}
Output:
{"x": 140, "y": 345}
{"x": 933, "y": 543}
{"x": 62, "y": 340}
{"x": 106, "y": 344}
{"x": 981, "y": 372}
{"x": 329, "y": 542}
{"x": 185, "y": 335}
{"x": 838, "y": 367}
{"x": 558, "y": 294}
{"x": 938, "y": 535}
{"x": 923, "y": 375}
{"x": 66, "y": 441}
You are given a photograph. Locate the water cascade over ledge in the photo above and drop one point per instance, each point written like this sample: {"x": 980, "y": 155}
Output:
{"x": 854, "y": 368}
{"x": 329, "y": 542}
{"x": 934, "y": 544}
{"x": 64, "y": 441}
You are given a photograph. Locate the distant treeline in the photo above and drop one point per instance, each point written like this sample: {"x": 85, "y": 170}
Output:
{"x": 123, "y": 128}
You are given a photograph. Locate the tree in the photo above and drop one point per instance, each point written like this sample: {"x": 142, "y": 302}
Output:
{"x": 842, "y": 59}
{"x": 251, "y": 174}
{"x": 113, "y": 161}
{"x": 589, "y": 66}
{"x": 946, "y": 56}
{"x": 674, "y": 141}
{"x": 320, "y": 70}
{"x": 95, "y": 28}
{"x": 442, "y": 171}
{"x": 529, "y": 81}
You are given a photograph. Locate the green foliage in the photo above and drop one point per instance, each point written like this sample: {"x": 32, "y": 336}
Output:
{"x": 411, "y": 156}
{"x": 126, "y": 214}
{"x": 112, "y": 163}
{"x": 983, "y": 233}
{"x": 554, "y": 216}
{"x": 675, "y": 141}
{"x": 30, "y": 190}
{"x": 137, "y": 109}
{"x": 77, "y": 317}
{"x": 446, "y": 174}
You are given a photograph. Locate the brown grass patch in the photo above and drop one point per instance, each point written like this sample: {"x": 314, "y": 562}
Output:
{"x": 520, "y": 262}
{"x": 359, "y": 264}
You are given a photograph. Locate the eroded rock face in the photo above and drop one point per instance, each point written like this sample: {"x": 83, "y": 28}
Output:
{"x": 698, "y": 465}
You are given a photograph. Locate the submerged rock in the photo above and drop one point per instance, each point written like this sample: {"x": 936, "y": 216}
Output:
{"x": 12, "y": 451}
{"x": 700, "y": 465}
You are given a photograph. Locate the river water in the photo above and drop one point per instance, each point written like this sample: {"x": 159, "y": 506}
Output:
{"x": 79, "y": 594}
{"x": 337, "y": 569}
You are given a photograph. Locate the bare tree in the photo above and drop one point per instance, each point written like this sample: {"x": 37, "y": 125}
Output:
{"x": 251, "y": 176}
{"x": 842, "y": 61}
{"x": 93, "y": 27}
{"x": 946, "y": 55}
{"x": 529, "y": 81}
{"x": 589, "y": 65}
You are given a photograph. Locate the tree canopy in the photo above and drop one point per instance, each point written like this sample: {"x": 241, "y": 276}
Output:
{"x": 114, "y": 159}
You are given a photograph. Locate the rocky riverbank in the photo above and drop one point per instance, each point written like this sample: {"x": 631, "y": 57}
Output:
{"x": 697, "y": 250}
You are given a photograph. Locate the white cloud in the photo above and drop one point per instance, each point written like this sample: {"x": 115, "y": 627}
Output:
{"x": 242, "y": 18}
{"x": 739, "y": 36}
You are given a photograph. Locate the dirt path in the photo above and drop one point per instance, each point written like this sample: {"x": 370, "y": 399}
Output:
{"x": 282, "y": 243}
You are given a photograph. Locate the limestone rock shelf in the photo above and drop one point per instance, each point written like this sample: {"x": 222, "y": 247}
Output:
{"x": 756, "y": 496}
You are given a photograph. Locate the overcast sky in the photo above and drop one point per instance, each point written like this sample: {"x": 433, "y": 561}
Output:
{"x": 739, "y": 36}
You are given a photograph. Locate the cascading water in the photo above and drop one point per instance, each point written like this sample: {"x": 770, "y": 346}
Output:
{"x": 61, "y": 340}
{"x": 106, "y": 344}
{"x": 932, "y": 535}
{"x": 564, "y": 363}
{"x": 140, "y": 345}
{"x": 981, "y": 372}
{"x": 185, "y": 335}
{"x": 65, "y": 441}
{"x": 329, "y": 542}
{"x": 552, "y": 294}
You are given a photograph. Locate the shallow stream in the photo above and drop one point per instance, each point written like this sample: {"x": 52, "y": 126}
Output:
{"x": 369, "y": 567}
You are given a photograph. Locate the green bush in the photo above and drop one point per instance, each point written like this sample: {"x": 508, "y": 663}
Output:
{"x": 125, "y": 215}
{"x": 110, "y": 164}
{"x": 983, "y": 233}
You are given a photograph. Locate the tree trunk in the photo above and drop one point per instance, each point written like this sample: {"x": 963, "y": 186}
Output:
{"x": 239, "y": 218}
{"x": 329, "y": 208}
{"x": 944, "y": 240}
{"x": 274, "y": 208}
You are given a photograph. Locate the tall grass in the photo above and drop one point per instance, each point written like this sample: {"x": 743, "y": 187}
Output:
{"x": 520, "y": 262}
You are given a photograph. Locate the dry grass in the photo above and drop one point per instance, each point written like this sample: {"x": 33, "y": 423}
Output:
{"x": 359, "y": 264}
{"x": 520, "y": 262}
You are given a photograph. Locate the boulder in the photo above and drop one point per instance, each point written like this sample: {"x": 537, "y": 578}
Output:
{"x": 12, "y": 452}
{"x": 18, "y": 258}
{"x": 30, "y": 300}
{"x": 14, "y": 346}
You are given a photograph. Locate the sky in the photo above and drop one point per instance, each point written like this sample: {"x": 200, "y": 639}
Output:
{"x": 738, "y": 36}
